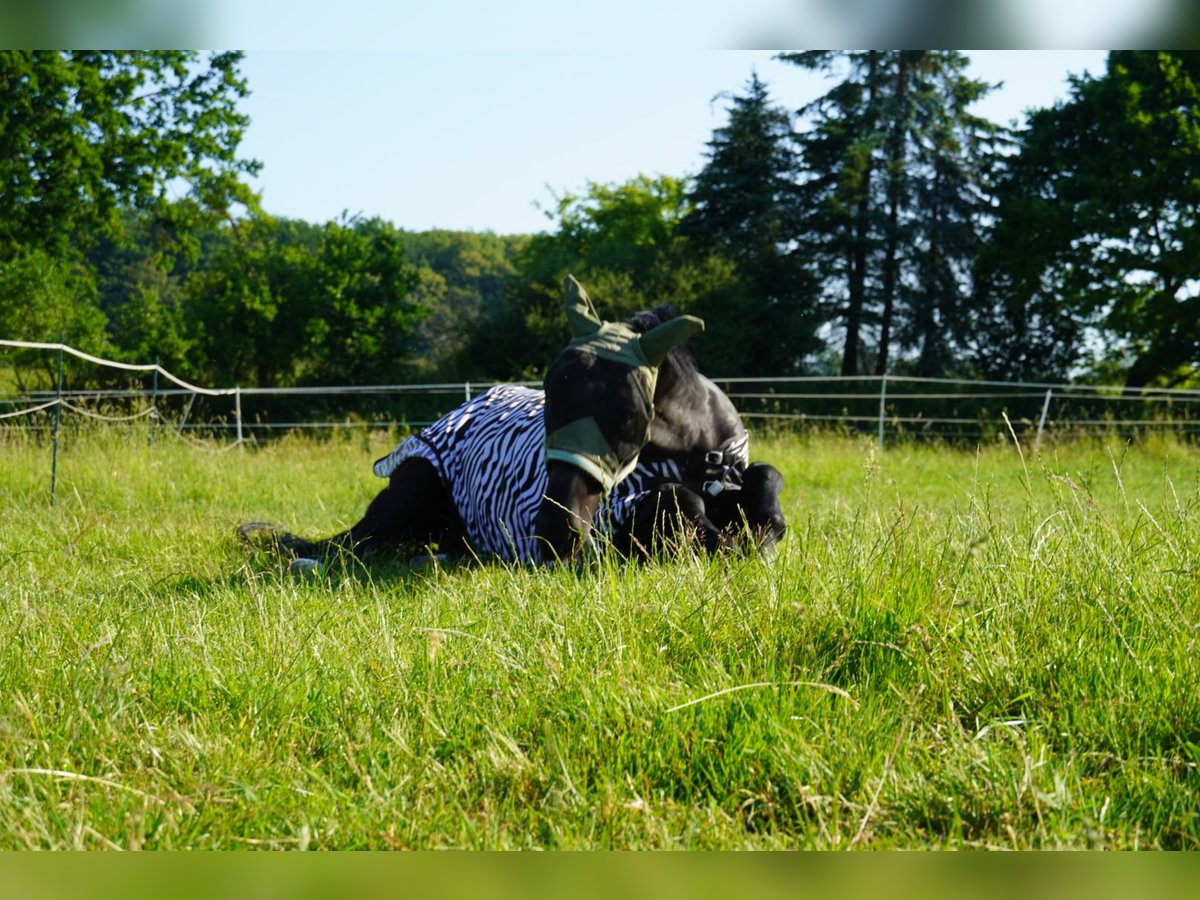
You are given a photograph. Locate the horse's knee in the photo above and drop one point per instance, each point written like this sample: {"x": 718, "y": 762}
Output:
{"x": 762, "y": 477}
{"x": 671, "y": 515}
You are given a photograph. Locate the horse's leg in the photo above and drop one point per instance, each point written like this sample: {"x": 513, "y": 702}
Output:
{"x": 671, "y": 515}
{"x": 414, "y": 510}
{"x": 755, "y": 508}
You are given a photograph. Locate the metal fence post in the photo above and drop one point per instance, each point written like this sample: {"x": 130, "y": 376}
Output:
{"x": 57, "y": 419}
{"x": 153, "y": 403}
{"x": 237, "y": 407}
{"x": 882, "y": 404}
{"x": 466, "y": 390}
{"x": 1037, "y": 441}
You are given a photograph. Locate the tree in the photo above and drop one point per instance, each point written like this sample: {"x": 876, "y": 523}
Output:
{"x": 950, "y": 161}
{"x": 1099, "y": 217}
{"x": 362, "y": 313}
{"x": 86, "y": 135}
{"x": 839, "y": 152}
{"x": 744, "y": 207}
{"x": 247, "y": 301}
{"x": 621, "y": 240}
{"x": 462, "y": 278}
{"x": 282, "y": 302}
{"x": 895, "y": 192}
{"x": 47, "y": 299}
{"x": 111, "y": 163}
{"x": 139, "y": 279}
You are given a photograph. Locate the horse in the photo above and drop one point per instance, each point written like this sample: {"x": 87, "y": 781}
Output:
{"x": 627, "y": 437}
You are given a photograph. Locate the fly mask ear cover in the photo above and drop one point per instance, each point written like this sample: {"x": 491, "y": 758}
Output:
{"x": 576, "y": 375}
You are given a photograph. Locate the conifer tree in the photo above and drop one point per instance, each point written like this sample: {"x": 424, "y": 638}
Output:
{"x": 895, "y": 193}
{"x": 839, "y": 231}
{"x": 744, "y": 207}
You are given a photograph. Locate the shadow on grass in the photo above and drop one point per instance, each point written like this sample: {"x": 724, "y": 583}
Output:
{"x": 257, "y": 567}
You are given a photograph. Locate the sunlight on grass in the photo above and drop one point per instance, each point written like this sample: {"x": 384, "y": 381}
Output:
{"x": 952, "y": 648}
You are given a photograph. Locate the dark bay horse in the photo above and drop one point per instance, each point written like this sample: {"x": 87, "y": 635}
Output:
{"x": 675, "y": 424}
{"x": 628, "y": 437}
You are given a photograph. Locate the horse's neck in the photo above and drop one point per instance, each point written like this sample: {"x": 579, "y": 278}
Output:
{"x": 691, "y": 414}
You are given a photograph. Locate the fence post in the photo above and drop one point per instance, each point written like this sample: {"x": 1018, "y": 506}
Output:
{"x": 237, "y": 406}
{"x": 1037, "y": 441}
{"x": 57, "y": 419}
{"x": 882, "y": 403}
{"x": 466, "y": 390}
{"x": 153, "y": 403}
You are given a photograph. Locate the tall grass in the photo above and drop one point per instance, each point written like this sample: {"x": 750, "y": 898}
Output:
{"x": 952, "y": 648}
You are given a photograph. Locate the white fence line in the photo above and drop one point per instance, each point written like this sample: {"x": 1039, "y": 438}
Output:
{"x": 901, "y": 403}
{"x": 113, "y": 364}
{"x": 881, "y": 411}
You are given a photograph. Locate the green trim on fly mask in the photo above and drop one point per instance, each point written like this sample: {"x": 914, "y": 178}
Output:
{"x": 581, "y": 441}
{"x": 582, "y": 444}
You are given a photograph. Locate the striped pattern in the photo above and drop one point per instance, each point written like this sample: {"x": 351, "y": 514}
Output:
{"x": 489, "y": 454}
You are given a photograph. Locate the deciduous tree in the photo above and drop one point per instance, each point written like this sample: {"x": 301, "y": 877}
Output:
{"x": 86, "y": 135}
{"x": 1099, "y": 227}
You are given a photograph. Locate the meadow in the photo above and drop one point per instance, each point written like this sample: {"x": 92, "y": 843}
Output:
{"x": 954, "y": 647}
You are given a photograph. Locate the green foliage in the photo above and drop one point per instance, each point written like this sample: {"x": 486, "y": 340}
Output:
{"x": 895, "y": 198}
{"x": 86, "y": 135}
{"x": 281, "y": 302}
{"x": 940, "y": 175}
{"x": 1097, "y": 225}
{"x": 114, "y": 164}
{"x": 47, "y": 299}
{"x": 623, "y": 241}
{"x": 884, "y": 217}
{"x": 745, "y": 207}
{"x": 364, "y": 313}
{"x": 839, "y": 228}
{"x": 462, "y": 279}
{"x": 140, "y": 281}
{"x": 626, "y": 232}
{"x": 246, "y": 302}
{"x": 953, "y": 649}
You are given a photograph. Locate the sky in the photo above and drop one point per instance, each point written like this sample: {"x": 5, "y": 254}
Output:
{"x": 477, "y": 139}
{"x": 476, "y": 114}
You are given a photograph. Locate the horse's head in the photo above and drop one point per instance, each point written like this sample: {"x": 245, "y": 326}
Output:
{"x": 600, "y": 393}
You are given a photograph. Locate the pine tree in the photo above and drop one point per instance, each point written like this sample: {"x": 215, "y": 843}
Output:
{"x": 744, "y": 206}
{"x": 895, "y": 194}
{"x": 953, "y": 153}
{"x": 839, "y": 231}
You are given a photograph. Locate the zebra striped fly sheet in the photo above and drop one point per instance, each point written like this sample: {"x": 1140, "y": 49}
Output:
{"x": 489, "y": 454}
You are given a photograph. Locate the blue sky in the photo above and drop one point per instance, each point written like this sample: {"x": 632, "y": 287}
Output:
{"x": 474, "y": 138}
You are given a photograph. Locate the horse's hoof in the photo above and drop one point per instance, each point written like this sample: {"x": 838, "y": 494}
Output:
{"x": 256, "y": 532}
{"x": 265, "y": 536}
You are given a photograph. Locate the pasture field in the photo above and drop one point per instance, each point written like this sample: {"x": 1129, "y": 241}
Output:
{"x": 953, "y": 648}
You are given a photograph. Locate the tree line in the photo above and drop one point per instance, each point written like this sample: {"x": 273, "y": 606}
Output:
{"x": 882, "y": 228}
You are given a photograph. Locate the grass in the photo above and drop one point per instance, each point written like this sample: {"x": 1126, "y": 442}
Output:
{"x": 952, "y": 649}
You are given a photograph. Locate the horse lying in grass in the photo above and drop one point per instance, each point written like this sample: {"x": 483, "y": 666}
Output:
{"x": 627, "y": 438}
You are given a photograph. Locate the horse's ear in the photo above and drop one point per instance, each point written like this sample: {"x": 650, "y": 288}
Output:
{"x": 581, "y": 315}
{"x": 662, "y": 339}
